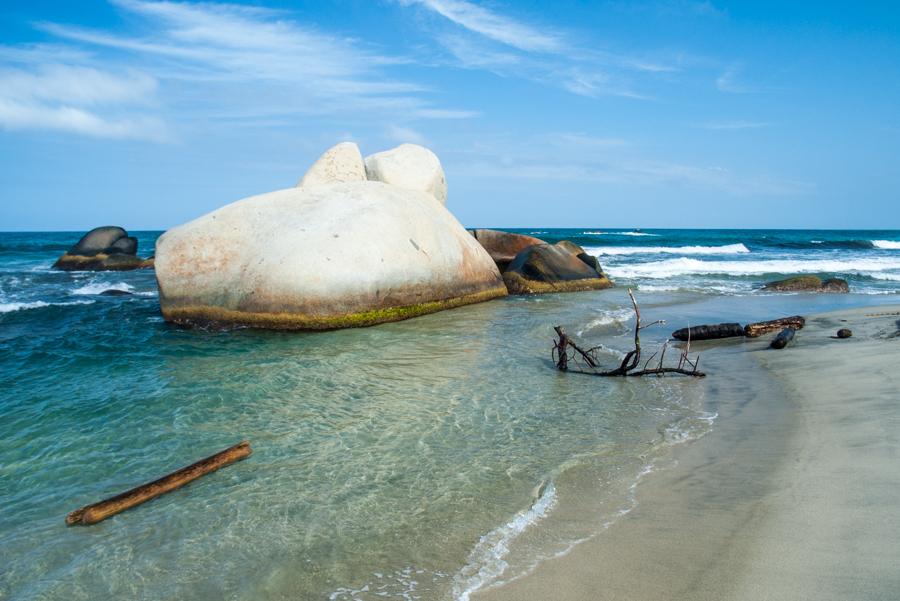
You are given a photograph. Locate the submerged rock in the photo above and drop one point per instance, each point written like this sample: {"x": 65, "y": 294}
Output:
{"x": 411, "y": 167}
{"x": 560, "y": 267}
{"x": 322, "y": 257}
{"x": 107, "y": 248}
{"x": 340, "y": 163}
{"x": 503, "y": 246}
{"x": 808, "y": 283}
{"x": 115, "y": 292}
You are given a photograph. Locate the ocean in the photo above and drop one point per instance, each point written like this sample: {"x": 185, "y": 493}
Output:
{"x": 424, "y": 459}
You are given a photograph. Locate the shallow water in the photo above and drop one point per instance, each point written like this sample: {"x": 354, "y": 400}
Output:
{"x": 421, "y": 459}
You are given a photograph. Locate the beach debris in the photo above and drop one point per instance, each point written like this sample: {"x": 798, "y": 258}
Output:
{"x": 566, "y": 351}
{"x": 710, "y": 332}
{"x": 97, "y": 512}
{"x": 754, "y": 330}
{"x": 783, "y": 338}
{"x": 844, "y": 333}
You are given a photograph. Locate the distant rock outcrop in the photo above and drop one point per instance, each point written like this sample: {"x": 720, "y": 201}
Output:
{"x": 503, "y": 246}
{"x": 411, "y": 167}
{"x": 107, "y": 248}
{"x": 808, "y": 283}
{"x": 560, "y": 267}
{"x": 325, "y": 256}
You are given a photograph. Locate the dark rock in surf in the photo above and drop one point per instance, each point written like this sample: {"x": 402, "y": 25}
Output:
{"x": 808, "y": 283}
{"x": 835, "y": 285}
{"x": 99, "y": 240}
{"x": 115, "y": 292}
{"x": 503, "y": 246}
{"x": 844, "y": 333}
{"x": 556, "y": 267}
{"x": 107, "y": 248}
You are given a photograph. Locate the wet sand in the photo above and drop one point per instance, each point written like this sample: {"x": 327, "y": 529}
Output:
{"x": 795, "y": 494}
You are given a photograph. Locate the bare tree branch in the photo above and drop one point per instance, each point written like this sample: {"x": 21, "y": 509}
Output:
{"x": 588, "y": 358}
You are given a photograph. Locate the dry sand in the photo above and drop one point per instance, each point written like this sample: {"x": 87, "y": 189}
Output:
{"x": 795, "y": 494}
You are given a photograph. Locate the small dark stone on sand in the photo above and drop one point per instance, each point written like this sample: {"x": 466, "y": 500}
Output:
{"x": 844, "y": 333}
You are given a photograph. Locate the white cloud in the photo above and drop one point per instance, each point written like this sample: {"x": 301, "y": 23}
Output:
{"x": 67, "y": 98}
{"x": 183, "y": 64}
{"x": 495, "y": 26}
{"x": 479, "y": 38}
{"x": 15, "y": 116}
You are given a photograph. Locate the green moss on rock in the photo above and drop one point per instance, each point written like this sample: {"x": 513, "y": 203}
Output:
{"x": 207, "y": 315}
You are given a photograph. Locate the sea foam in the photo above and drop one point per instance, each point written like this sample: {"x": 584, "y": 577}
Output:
{"x": 886, "y": 244}
{"x": 95, "y": 288}
{"x": 877, "y": 267}
{"x": 486, "y": 561}
{"x": 728, "y": 249}
{"x": 10, "y": 307}
{"x": 620, "y": 234}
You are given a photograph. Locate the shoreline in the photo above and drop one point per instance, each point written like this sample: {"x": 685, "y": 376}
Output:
{"x": 790, "y": 495}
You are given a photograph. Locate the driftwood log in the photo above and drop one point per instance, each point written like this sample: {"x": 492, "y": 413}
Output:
{"x": 630, "y": 363}
{"x": 711, "y": 332}
{"x": 97, "y": 512}
{"x": 753, "y": 330}
{"x": 783, "y": 338}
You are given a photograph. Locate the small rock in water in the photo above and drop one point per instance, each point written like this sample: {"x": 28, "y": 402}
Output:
{"x": 115, "y": 292}
{"x": 844, "y": 333}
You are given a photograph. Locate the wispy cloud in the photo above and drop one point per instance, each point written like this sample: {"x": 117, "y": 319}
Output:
{"x": 495, "y": 26}
{"x": 241, "y": 63}
{"x": 480, "y": 38}
{"x": 730, "y": 83}
{"x": 77, "y": 99}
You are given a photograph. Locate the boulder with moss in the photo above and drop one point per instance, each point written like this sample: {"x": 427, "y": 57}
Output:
{"x": 808, "y": 283}
{"x": 107, "y": 248}
{"x": 322, "y": 257}
{"x": 503, "y": 246}
{"x": 560, "y": 267}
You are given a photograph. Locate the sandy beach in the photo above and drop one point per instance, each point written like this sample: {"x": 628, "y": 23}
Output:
{"x": 793, "y": 495}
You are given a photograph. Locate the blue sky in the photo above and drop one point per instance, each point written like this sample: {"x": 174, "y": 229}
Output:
{"x": 669, "y": 113}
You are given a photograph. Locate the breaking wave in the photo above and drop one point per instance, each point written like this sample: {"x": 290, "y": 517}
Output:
{"x": 728, "y": 249}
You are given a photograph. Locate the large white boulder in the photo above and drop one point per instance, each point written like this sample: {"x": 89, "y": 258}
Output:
{"x": 322, "y": 257}
{"x": 409, "y": 166}
{"x": 340, "y": 163}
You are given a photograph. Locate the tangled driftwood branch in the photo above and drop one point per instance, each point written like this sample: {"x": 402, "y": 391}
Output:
{"x": 566, "y": 350}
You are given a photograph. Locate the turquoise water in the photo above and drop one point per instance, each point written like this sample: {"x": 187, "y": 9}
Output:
{"x": 418, "y": 460}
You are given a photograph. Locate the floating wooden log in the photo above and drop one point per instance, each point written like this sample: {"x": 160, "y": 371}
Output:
{"x": 753, "y": 330}
{"x": 97, "y": 512}
{"x": 784, "y": 336}
{"x": 710, "y": 332}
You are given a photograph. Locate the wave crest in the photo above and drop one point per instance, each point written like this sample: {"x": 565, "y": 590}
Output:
{"x": 728, "y": 249}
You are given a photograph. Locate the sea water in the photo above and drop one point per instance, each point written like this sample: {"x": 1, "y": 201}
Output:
{"x": 425, "y": 459}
